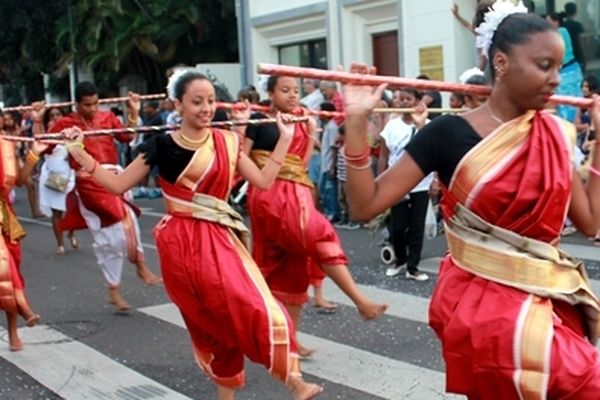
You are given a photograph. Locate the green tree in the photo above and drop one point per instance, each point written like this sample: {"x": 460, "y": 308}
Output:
{"x": 113, "y": 38}
{"x": 119, "y": 37}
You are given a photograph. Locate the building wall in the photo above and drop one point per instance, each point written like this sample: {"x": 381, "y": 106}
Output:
{"x": 348, "y": 26}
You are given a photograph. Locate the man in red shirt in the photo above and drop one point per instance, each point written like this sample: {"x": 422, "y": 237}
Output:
{"x": 111, "y": 219}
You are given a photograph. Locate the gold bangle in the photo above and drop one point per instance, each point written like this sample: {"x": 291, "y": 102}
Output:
{"x": 32, "y": 157}
{"x": 74, "y": 144}
{"x": 132, "y": 121}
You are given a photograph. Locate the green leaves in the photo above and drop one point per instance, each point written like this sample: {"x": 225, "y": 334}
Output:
{"x": 115, "y": 38}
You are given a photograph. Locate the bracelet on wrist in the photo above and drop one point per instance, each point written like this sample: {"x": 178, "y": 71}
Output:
{"x": 32, "y": 157}
{"x": 132, "y": 121}
{"x": 356, "y": 157}
{"x": 72, "y": 145}
{"x": 363, "y": 166}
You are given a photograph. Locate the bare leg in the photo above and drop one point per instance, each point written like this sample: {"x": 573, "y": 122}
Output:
{"x": 224, "y": 393}
{"x": 73, "y": 239}
{"x": 58, "y": 235}
{"x": 147, "y": 276}
{"x": 302, "y": 390}
{"x": 295, "y": 312}
{"x": 342, "y": 277}
{"x": 31, "y": 318}
{"x": 115, "y": 298}
{"x": 320, "y": 299}
{"x": 15, "y": 343}
{"x": 33, "y": 200}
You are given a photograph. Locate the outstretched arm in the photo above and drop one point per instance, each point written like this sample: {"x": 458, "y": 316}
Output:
{"x": 117, "y": 184}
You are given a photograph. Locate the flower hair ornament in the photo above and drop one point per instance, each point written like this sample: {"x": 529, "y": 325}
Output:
{"x": 173, "y": 82}
{"x": 493, "y": 17}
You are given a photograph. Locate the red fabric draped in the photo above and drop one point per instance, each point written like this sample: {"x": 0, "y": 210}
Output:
{"x": 210, "y": 276}
{"x": 290, "y": 237}
{"x": 102, "y": 148}
{"x": 12, "y": 283}
{"x": 527, "y": 191}
{"x": 107, "y": 206}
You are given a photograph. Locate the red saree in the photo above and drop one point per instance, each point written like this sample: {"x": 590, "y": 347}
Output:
{"x": 289, "y": 235}
{"x": 109, "y": 207}
{"x": 506, "y": 340}
{"x": 209, "y": 274}
{"x": 12, "y": 284}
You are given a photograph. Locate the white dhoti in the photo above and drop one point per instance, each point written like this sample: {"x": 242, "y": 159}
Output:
{"x": 115, "y": 243}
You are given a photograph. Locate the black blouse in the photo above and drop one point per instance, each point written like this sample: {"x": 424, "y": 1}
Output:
{"x": 263, "y": 136}
{"x": 162, "y": 151}
{"x": 441, "y": 144}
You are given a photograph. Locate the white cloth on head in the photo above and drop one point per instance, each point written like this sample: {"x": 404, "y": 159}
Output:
{"x": 50, "y": 199}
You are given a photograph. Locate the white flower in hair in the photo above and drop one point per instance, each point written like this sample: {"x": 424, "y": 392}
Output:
{"x": 173, "y": 82}
{"x": 493, "y": 17}
{"x": 468, "y": 74}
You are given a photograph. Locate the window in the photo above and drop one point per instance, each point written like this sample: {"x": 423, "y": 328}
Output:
{"x": 311, "y": 54}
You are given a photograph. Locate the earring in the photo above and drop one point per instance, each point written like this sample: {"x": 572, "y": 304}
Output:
{"x": 499, "y": 73}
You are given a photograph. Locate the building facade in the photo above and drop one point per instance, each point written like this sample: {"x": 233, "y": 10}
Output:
{"x": 400, "y": 37}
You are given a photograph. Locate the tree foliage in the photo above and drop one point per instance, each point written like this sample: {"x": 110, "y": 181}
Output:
{"x": 113, "y": 38}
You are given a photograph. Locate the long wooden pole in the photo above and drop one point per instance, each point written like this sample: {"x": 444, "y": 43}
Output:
{"x": 398, "y": 82}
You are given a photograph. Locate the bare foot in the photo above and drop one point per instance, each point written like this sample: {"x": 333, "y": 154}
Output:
{"x": 32, "y": 320}
{"x": 370, "y": 311}
{"x": 15, "y": 344}
{"x": 305, "y": 352}
{"x": 115, "y": 298}
{"x": 302, "y": 390}
{"x": 74, "y": 241}
{"x": 147, "y": 276}
{"x": 326, "y": 305}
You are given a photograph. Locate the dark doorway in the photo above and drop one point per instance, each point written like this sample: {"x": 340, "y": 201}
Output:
{"x": 385, "y": 53}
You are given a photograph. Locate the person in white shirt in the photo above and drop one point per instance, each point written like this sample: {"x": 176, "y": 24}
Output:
{"x": 313, "y": 98}
{"x": 407, "y": 221}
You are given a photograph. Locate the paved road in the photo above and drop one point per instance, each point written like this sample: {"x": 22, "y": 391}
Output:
{"x": 84, "y": 350}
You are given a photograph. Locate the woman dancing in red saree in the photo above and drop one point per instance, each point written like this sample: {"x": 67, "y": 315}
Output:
{"x": 207, "y": 271}
{"x": 515, "y": 315}
{"x": 292, "y": 241}
{"x": 12, "y": 285}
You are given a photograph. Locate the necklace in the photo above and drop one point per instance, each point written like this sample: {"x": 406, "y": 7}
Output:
{"x": 192, "y": 143}
{"x": 494, "y": 117}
